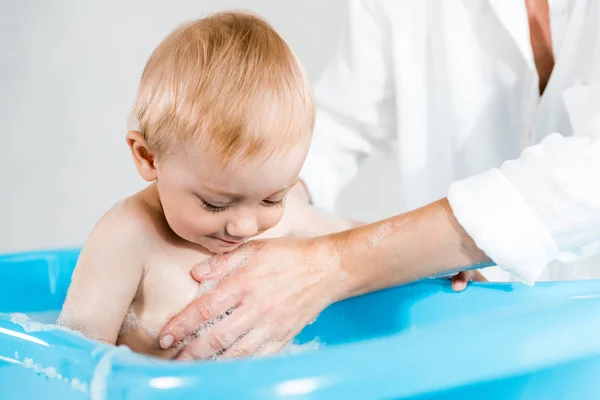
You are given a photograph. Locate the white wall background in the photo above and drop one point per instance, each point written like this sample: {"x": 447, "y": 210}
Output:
{"x": 69, "y": 71}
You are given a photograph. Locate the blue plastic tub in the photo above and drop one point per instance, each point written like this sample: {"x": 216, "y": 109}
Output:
{"x": 421, "y": 341}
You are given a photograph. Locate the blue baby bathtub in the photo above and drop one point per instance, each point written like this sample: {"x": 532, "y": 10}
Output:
{"x": 420, "y": 341}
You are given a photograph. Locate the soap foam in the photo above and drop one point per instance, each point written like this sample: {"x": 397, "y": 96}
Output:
{"x": 380, "y": 233}
{"x": 52, "y": 373}
{"x": 295, "y": 349}
{"x": 200, "y": 332}
{"x": 78, "y": 385}
{"x": 132, "y": 322}
{"x": 30, "y": 325}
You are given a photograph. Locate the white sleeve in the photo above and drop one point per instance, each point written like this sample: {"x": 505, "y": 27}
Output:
{"x": 541, "y": 207}
{"x": 355, "y": 111}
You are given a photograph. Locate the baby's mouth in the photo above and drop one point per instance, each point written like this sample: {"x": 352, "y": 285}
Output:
{"x": 228, "y": 242}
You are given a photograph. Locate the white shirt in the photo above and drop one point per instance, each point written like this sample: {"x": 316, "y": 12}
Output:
{"x": 451, "y": 87}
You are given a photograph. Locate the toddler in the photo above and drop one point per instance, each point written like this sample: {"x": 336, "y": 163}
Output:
{"x": 224, "y": 117}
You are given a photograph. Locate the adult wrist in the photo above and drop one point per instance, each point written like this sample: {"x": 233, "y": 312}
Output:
{"x": 351, "y": 281}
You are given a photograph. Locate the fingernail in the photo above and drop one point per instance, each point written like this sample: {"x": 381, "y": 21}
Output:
{"x": 166, "y": 341}
{"x": 202, "y": 269}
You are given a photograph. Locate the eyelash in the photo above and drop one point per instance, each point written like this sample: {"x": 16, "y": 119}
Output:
{"x": 215, "y": 209}
{"x": 273, "y": 203}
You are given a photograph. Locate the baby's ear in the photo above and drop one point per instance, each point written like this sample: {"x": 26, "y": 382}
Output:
{"x": 145, "y": 160}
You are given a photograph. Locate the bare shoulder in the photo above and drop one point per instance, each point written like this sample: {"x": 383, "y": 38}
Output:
{"x": 132, "y": 223}
{"x": 111, "y": 265}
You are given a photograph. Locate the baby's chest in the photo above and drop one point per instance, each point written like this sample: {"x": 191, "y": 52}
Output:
{"x": 167, "y": 287}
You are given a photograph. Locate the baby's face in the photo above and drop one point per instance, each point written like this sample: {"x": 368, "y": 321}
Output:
{"x": 220, "y": 207}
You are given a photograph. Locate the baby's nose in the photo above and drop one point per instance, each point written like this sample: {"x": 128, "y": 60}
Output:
{"x": 242, "y": 228}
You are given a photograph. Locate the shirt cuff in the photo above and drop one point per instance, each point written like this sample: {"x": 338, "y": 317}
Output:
{"x": 502, "y": 224}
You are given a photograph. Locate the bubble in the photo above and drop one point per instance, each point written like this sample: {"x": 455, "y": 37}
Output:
{"x": 79, "y": 385}
{"x": 132, "y": 322}
{"x": 202, "y": 330}
{"x": 380, "y": 233}
{"x": 229, "y": 338}
{"x": 206, "y": 286}
{"x": 50, "y": 372}
{"x": 234, "y": 260}
{"x": 74, "y": 327}
{"x": 28, "y": 324}
{"x": 28, "y": 363}
{"x": 295, "y": 349}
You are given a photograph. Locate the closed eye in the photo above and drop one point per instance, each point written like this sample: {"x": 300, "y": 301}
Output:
{"x": 271, "y": 203}
{"x": 212, "y": 208}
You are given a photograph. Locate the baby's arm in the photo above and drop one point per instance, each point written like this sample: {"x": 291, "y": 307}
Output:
{"x": 106, "y": 278}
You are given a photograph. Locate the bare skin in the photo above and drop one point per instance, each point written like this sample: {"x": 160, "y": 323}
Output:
{"x": 541, "y": 39}
{"x": 133, "y": 274}
{"x": 425, "y": 242}
{"x": 287, "y": 282}
{"x": 126, "y": 294}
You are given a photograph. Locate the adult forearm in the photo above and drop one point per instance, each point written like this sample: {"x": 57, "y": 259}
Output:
{"x": 425, "y": 242}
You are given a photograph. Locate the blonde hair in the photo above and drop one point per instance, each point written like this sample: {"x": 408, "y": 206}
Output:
{"x": 228, "y": 82}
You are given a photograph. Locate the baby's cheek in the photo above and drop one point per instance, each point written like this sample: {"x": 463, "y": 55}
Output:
{"x": 190, "y": 222}
{"x": 208, "y": 223}
{"x": 272, "y": 217}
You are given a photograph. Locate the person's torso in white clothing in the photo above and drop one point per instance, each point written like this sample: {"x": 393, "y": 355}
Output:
{"x": 464, "y": 91}
{"x": 466, "y": 86}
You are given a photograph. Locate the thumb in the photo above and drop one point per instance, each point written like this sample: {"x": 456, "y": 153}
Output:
{"x": 221, "y": 265}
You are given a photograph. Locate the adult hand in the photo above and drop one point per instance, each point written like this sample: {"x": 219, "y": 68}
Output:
{"x": 275, "y": 288}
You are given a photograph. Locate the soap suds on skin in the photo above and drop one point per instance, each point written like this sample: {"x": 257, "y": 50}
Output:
{"x": 381, "y": 231}
{"x": 200, "y": 332}
{"x": 231, "y": 263}
{"x": 131, "y": 322}
{"x": 384, "y": 229}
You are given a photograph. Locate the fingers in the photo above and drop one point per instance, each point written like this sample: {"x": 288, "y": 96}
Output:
{"x": 249, "y": 344}
{"x": 219, "y": 337}
{"x": 460, "y": 281}
{"x": 270, "y": 348}
{"x": 219, "y": 266}
{"x": 205, "y": 308}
